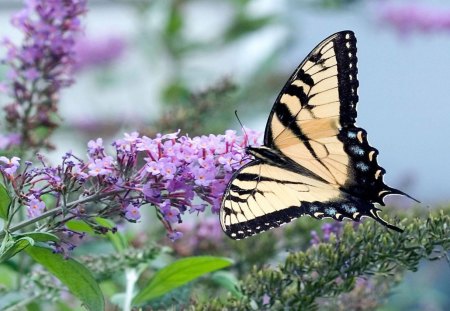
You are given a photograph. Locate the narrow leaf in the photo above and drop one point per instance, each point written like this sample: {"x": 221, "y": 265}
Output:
{"x": 74, "y": 275}
{"x": 179, "y": 273}
{"x": 80, "y": 226}
{"x": 5, "y": 200}
{"x": 39, "y": 236}
{"x": 15, "y": 247}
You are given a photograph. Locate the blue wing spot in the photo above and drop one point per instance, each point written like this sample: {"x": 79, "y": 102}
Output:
{"x": 351, "y": 135}
{"x": 357, "y": 150}
{"x": 313, "y": 208}
{"x": 346, "y": 207}
{"x": 349, "y": 208}
{"x": 330, "y": 211}
{"x": 362, "y": 166}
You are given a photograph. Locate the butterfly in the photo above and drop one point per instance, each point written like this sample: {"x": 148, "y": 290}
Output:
{"x": 314, "y": 160}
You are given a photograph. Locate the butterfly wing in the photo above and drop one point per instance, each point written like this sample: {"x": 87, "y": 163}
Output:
{"x": 313, "y": 121}
{"x": 315, "y": 160}
{"x": 262, "y": 196}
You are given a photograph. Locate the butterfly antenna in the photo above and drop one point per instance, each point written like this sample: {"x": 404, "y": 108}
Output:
{"x": 242, "y": 127}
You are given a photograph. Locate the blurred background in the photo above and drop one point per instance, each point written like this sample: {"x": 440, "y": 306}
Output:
{"x": 157, "y": 66}
{"x": 140, "y": 59}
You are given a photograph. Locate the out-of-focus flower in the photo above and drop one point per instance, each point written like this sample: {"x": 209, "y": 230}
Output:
{"x": 409, "y": 18}
{"x": 41, "y": 64}
{"x": 98, "y": 52}
{"x": 265, "y": 299}
{"x": 328, "y": 229}
{"x": 203, "y": 235}
{"x": 10, "y": 166}
{"x": 174, "y": 235}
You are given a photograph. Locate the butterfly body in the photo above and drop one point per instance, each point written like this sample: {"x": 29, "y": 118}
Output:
{"x": 314, "y": 160}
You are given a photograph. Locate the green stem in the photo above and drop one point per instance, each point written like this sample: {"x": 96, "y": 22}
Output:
{"x": 23, "y": 303}
{"x": 57, "y": 210}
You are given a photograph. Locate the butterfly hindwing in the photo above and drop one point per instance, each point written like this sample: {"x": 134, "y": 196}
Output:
{"x": 263, "y": 196}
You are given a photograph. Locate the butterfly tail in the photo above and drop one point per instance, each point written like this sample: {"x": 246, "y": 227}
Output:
{"x": 374, "y": 214}
{"x": 399, "y": 192}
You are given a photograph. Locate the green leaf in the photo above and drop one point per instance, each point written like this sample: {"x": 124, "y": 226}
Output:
{"x": 228, "y": 281}
{"x": 5, "y": 200}
{"x": 74, "y": 275}
{"x": 14, "y": 247}
{"x": 39, "y": 236}
{"x": 80, "y": 226}
{"x": 179, "y": 273}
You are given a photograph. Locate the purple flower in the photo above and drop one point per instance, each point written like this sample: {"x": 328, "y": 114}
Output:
{"x": 128, "y": 143}
{"x": 95, "y": 146}
{"x": 170, "y": 214}
{"x": 167, "y": 168}
{"x": 78, "y": 173}
{"x": 35, "y": 207}
{"x": 186, "y": 154}
{"x": 132, "y": 212}
{"x": 315, "y": 239}
{"x": 11, "y": 165}
{"x": 227, "y": 160}
{"x": 41, "y": 64}
{"x": 152, "y": 167}
{"x": 202, "y": 176}
{"x": 174, "y": 235}
{"x": 100, "y": 167}
{"x": 328, "y": 229}
{"x": 168, "y": 179}
{"x": 409, "y": 18}
{"x": 147, "y": 144}
{"x": 265, "y": 299}
{"x": 98, "y": 52}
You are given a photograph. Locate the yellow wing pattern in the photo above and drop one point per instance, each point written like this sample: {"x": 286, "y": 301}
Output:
{"x": 314, "y": 160}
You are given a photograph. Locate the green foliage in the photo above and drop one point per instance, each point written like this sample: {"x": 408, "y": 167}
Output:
{"x": 328, "y": 270}
{"x": 193, "y": 111}
{"x": 106, "y": 266}
{"x": 71, "y": 273}
{"x": 5, "y": 200}
{"x": 13, "y": 246}
{"x": 178, "y": 274}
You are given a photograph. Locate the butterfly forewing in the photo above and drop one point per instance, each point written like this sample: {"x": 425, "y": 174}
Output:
{"x": 313, "y": 120}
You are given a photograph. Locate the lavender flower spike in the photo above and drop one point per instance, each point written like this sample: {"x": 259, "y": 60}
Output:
{"x": 41, "y": 64}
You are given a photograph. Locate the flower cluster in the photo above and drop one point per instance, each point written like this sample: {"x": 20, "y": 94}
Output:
{"x": 176, "y": 175}
{"x": 407, "y": 19}
{"x": 41, "y": 64}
